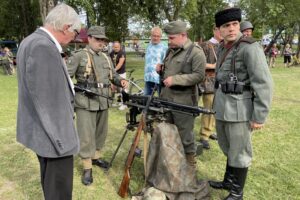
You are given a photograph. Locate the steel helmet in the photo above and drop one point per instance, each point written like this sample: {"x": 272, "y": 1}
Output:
{"x": 246, "y": 25}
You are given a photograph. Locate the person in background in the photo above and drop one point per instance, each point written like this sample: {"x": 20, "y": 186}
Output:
{"x": 272, "y": 55}
{"x": 93, "y": 70}
{"x": 45, "y": 107}
{"x": 7, "y": 61}
{"x": 247, "y": 28}
{"x": 118, "y": 57}
{"x": 242, "y": 99}
{"x": 287, "y": 55}
{"x": 155, "y": 54}
{"x": 208, "y": 121}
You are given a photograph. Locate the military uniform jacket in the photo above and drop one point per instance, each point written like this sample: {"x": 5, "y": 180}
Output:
{"x": 77, "y": 66}
{"x": 208, "y": 48}
{"x": 252, "y": 69}
{"x": 185, "y": 77}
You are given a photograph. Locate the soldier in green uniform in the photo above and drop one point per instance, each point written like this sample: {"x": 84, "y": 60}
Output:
{"x": 208, "y": 121}
{"x": 242, "y": 99}
{"x": 93, "y": 70}
{"x": 183, "y": 69}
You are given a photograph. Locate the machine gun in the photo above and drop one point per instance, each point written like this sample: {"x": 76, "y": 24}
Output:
{"x": 154, "y": 107}
{"x": 159, "y": 105}
{"x": 89, "y": 92}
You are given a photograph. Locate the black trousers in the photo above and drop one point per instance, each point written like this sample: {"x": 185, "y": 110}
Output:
{"x": 57, "y": 177}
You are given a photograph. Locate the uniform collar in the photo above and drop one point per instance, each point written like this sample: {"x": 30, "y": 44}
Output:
{"x": 185, "y": 46}
{"x": 222, "y": 45}
{"x": 91, "y": 50}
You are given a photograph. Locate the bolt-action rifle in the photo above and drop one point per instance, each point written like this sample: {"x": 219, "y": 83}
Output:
{"x": 124, "y": 187}
{"x": 89, "y": 92}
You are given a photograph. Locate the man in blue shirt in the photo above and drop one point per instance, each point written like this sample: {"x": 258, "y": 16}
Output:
{"x": 155, "y": 54}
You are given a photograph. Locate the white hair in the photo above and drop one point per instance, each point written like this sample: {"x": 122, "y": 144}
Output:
{"x": 61, "y": 15}
{"x": 156, "y": 28}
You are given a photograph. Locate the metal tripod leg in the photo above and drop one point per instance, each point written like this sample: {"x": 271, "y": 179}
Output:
{"x": 128, "y": 127}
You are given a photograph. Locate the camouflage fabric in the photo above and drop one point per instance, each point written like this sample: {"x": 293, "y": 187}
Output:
{"x": 167, "y": 169}
{"x": 150, "y": 193}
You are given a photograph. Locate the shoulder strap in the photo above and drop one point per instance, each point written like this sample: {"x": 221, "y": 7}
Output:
{"x": 88, "y": 66}
{"x": 213, "y": 49}
{"x": 187, "y": 55}
{"x": 249, "y": 40}
{"x": 109, "y": 65}
{"x": 92, "y": 64}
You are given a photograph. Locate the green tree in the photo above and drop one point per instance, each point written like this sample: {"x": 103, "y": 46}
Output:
{"x": 18, "y": 18}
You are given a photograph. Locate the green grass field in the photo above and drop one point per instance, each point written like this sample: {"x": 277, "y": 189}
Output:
{"x": 274, "y": 174}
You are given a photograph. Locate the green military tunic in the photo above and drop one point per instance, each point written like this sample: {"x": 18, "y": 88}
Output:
{"x": 92, "y": 112}
{"x": 235, "y": 111}
{"x": 184, "y": 90}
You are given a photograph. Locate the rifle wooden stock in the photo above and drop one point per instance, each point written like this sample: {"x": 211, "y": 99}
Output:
{"x": 123, "y": 190}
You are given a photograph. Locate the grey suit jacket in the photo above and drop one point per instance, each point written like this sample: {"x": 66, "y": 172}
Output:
{"x": 45, "y": 104}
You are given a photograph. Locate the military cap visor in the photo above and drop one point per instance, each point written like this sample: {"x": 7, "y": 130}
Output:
{"x": 228, "y": 15}
{"x": 175, "y": 27}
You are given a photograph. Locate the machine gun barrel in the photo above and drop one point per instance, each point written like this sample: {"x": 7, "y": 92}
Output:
{"x": 89, "y": 92}
{"x": 162, "y": 105}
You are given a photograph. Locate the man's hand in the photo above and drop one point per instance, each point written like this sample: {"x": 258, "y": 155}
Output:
{"x": 256, "y": 126}
{"x": 158, "y": 68}
{"x": 168, "y": 81}
{"x": 124, "y": 83}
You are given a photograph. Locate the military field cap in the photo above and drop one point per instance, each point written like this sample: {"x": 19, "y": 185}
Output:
{"x": 97, "y": 32}
{"x": 175, "y": 27}
{"x": 228, "y": 15}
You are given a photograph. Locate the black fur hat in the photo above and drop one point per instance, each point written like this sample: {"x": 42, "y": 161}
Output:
{"x": 227, "y": 15}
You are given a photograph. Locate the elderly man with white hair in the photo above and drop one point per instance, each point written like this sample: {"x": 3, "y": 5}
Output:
{"x": 45, "y": 107}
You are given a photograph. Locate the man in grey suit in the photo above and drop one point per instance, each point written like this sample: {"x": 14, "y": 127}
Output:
{"x": 45, "y": 107}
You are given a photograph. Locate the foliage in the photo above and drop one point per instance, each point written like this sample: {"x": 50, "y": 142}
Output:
{"x": 113, "y": 14}
{"x": 201, "y": 16}
{"x": 18, "y": 18}
{"x": 276, "y": 13}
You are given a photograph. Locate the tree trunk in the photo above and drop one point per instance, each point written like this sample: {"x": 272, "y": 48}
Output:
{"x": 24, "y": 17}
{"x": 45, "y": 7}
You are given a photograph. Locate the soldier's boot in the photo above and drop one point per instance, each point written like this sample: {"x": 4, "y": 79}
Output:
{"x": 191, "y": 159}
{"x": 226, "y": 184}
{"x": 87, "y": 175}
{"x": 239, "y": 179}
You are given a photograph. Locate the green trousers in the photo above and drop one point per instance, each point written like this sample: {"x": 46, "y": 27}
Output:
{"x": 92, "y": 129}
{"x": 185, "y": 126}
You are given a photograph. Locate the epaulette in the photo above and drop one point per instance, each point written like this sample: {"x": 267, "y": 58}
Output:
{"x": 248, "y": 40}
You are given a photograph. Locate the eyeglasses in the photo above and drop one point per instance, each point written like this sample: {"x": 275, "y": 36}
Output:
{"x": 76, "y": 32}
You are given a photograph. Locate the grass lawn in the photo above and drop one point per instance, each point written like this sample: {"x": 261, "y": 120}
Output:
{"x": 274, "y": 174}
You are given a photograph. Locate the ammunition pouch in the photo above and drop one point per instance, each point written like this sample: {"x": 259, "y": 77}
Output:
{"x": 232, "y": 87}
